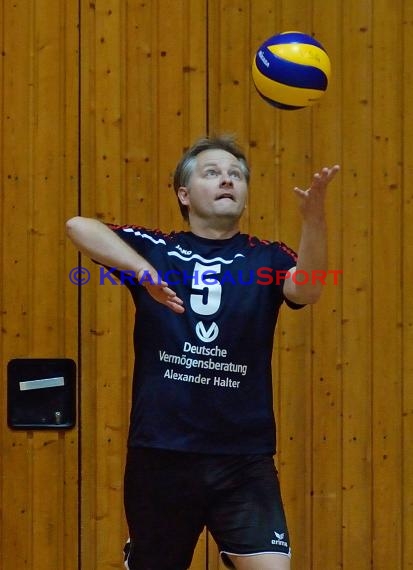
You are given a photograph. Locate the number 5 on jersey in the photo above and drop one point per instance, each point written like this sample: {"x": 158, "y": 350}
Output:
{"x": 206, "y": 299}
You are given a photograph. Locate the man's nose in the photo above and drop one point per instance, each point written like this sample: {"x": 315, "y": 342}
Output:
{"x": 226, "y": 180}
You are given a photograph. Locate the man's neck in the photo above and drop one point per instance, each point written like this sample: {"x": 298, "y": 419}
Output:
{"x": 214, "y": 233}
{"x": 217, "y": 228}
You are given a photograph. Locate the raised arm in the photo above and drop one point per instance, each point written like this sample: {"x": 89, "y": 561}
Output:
{"x": 312, "y": 251}
{"x": 98, "y": 242}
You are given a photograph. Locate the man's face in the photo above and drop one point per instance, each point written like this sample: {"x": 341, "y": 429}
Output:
{"x": 217, "y": 188}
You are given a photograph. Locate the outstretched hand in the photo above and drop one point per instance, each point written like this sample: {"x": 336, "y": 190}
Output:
{"x": 311, "y": 201}
{"x": 159, "y": 290}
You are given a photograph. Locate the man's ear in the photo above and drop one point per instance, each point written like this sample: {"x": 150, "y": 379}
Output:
{"x": 183, "y": 195}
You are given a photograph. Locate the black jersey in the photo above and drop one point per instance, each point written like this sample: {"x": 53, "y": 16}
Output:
{"x": 202, "y": 379}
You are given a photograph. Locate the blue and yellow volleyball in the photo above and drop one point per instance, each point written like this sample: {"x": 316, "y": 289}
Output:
{"x": 291, "y": 70}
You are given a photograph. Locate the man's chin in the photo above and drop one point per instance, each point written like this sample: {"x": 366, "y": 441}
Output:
{"x": 230, "y": 211}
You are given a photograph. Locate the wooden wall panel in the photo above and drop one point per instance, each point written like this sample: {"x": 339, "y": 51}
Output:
{"x": 39, "y": 484}
{"x": 293, "y": 387}
{"x": 227, "y": 100}
{"x": 357, "y": 188}
{"x": 326, "y": 136}
{"x": 180, "y": 59}
{"x": 386, "y": 299}
{"x": 229, "y": 63}
{"x": 143, "y": 101}
{"x": 407, "y": 295}
{"x": 16, "y": 493}
{"x": 104, "y": 336}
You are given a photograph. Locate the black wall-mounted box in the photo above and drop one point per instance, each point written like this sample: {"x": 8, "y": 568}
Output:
{"x": 41, "y": 393}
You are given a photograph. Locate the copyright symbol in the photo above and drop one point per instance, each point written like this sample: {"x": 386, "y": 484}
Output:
{"x": 79, "y": 276}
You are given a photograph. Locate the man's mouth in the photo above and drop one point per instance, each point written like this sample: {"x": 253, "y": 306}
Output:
{"x": 225, "y": 195}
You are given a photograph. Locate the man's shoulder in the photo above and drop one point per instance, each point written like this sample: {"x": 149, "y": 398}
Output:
{"x": 153, "y": 234}
{"x": 256, "y": 241}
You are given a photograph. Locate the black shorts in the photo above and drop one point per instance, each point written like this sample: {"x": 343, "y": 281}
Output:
{"x": 171, "y": 496}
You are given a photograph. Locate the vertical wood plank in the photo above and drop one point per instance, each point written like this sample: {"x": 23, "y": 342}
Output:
{"x": 357, "y": 180}
{"x": 143, "y": 80}
{"x": 46, "y": 225}
{"x": 39, "y": 171}
{"x": 181, "y": 89}
{"x": 229, "y": 64}
{"x": 69, "y": 318}
{"x": 295, "y": 414}
{"x": 326, "y": 331}
{"x": 407, "y": 306}
{"x": 263, "y": 200}
{"x": 386, "y": 299}
{"x": 70, "y": 309}
{"x": 140, "y": 91}
{"x": 16, "y": 515}
{"x": 104, "y": 335}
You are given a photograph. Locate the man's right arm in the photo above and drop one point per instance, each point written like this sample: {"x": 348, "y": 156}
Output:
{"x": 98, "y": 242}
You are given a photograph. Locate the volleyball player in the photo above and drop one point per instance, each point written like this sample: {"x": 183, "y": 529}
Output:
{"x": 202, "y": 433}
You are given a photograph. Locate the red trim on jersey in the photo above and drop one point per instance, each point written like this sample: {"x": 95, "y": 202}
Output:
{"x": 253, "y": 241}
{"x": 288, "y": 250}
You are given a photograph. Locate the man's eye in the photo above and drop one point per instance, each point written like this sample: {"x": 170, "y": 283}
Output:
{"x": 236, "y": 174}
{"x": 211, "y": 172}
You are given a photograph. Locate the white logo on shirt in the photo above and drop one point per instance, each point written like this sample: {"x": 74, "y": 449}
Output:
{"x": 184, "y": 251}
{"x": 204, "y": 334}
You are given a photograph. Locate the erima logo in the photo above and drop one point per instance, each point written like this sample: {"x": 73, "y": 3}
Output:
{"x": 279, "y": 539}
{"x": 184, "y": 251}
